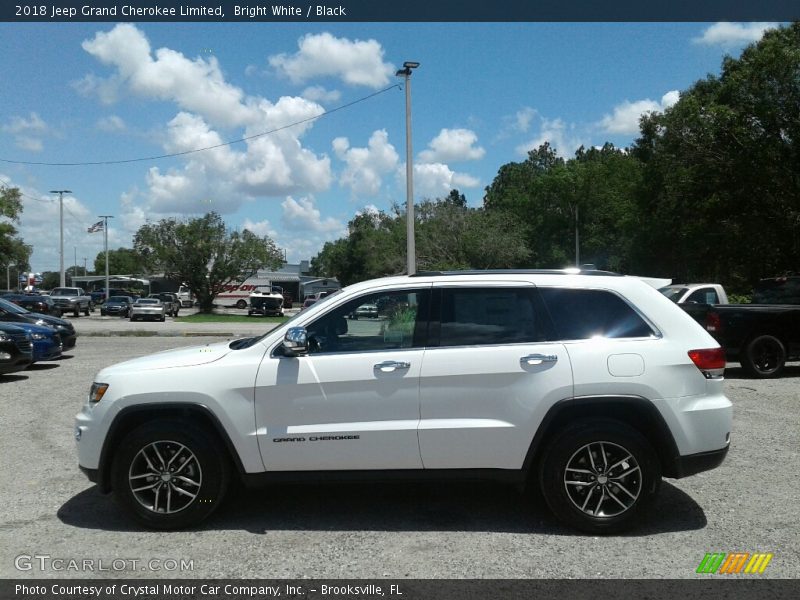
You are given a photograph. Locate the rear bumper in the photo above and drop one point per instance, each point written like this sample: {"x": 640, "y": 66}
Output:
{"x": 684, "y": 466}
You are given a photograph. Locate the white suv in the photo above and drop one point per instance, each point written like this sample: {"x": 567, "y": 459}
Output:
{"x": 592, "y": 385}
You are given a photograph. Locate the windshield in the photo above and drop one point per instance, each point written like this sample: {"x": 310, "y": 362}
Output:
{"x": 12, "y": 308}
{"x": 673, "y": 293}
{"x": 119, "y": 299}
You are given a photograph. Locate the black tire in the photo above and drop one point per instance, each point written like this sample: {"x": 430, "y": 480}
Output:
{"x": 163, "y": 318}
{"x": 132, "y": 318}
{"x": 764, "y": 357}
{"x": 624, "y": 452}
{"x": 241, "y": 304}
{"x": 207, "y": 468}
{"x": 76, "y": 311}
{"x": 86, "y": 310}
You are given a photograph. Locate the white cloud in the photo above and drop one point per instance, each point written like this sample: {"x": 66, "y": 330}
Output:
{"x": 435, "y": 180}
{"x": 27, "y": 132}
{"x": 317, "y": 93}
{"x": 366, "y": 166}
{"x": 111, "y": 124}
{"x": 733, "y": 34}
{"x": 452, "y": 145}
{"x": 523, "y": 118}
{"x": 565, "y": 139}
{"x": 303, "y": 215}
{"x": 625, "y": 119}
{"x": 358, "y": 62}
{"x": 272, "y": 163}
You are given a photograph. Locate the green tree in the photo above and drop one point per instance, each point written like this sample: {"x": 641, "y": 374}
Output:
{"x": 13, "y": 250}
{"x": 204, "y": 254}
{"x": 549, "y": 197}
{"x": 122, "y": 261}
{"x": 449, "y": 235}
{"x": 722, "y": 170}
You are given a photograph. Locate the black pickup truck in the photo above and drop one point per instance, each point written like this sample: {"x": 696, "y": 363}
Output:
{"x": 763, "y": 335}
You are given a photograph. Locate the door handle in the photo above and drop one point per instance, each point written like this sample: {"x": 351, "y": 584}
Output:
{"x": 538, "y": 359}
{"x": 389, "y": 366}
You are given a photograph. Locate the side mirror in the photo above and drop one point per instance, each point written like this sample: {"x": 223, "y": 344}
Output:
{"x": 295, "y": 342}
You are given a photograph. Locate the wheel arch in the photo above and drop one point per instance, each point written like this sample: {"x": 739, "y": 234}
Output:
{"x": 132, "y": 417}
{"x": 635, "y": 411}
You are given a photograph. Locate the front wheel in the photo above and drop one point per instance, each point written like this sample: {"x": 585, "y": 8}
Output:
{"x": 86, "y": 310}
{"x": 764, "y": 357}
{"x": 170, "y": 475}
{"x": 241, "y": 304}
{"x": 599, "y": 476}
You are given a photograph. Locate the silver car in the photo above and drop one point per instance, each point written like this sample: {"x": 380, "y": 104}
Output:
{"x": 148, "y": 308}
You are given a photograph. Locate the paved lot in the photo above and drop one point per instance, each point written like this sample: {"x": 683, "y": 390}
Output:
{"x": 47, "y": 507}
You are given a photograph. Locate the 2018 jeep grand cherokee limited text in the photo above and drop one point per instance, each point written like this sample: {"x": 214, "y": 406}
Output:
{"x": 591, "y": 385}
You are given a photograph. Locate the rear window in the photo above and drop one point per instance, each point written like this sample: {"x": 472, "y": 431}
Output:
{"x": 785, "y": 290}
{"x": 584, "y": 314}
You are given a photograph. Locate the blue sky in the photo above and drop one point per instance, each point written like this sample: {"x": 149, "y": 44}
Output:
{"x": 483, "y": 95}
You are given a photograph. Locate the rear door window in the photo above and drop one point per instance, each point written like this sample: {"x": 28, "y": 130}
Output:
{"x": 488, "y": 316}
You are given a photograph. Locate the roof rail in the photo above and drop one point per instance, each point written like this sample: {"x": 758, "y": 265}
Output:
{"x": 516, "y": 271}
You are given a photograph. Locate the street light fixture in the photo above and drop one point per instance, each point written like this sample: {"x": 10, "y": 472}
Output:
{"x": 410, "y": 247}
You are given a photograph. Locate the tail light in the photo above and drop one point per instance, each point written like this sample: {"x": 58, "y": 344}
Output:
{"x": 713, "y": 322}
{"x": 710, "y": 361}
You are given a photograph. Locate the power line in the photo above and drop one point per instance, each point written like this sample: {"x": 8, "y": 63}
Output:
{"x": 185, "y": 152}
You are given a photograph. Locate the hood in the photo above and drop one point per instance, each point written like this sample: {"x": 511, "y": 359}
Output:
{"x": 52, "y": 321}
{"x": 32, "y": 328}
{"x": 170, "y": 359}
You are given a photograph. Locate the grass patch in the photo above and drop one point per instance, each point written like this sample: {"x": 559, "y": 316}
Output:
{"x": 214, "y": 318}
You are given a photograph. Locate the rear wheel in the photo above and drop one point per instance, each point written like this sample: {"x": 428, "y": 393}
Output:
{"x": 764, "y": 357}
{"x": 86, "y": 310}
{"x": 170, "y": 475}
{"x": 599, "y": 476}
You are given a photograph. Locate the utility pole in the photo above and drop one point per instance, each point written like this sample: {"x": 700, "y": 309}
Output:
{"x": 85, "y": 273}
{"x": 61, "y": 230}
{"x": 105, "y": 245}
{"x": 411, "y": 252}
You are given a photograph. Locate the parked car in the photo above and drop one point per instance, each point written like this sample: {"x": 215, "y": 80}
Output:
{"x": 763, "y": 335}
{"x": 695, "y": 293}
{"x": 148, "y": 309}
{"x": 118, "y": 306}
{"x": 171, "y": 302}
{"x": 73, "y": 300}
{"x": 35, "y": 303}
{"x": 365, "y": 311}
{"x": 16, "y": 349}
{"x": 592, "y": 386}
{"x": 308, "y": 302}
{"x": 12, "y": 313}
{"x": 46, "y": 343}
{"x": 99, "y": 296}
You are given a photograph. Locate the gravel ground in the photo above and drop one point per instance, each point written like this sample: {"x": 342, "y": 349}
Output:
{"x": 47, "y": 507}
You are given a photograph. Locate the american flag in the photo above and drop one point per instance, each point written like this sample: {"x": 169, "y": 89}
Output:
{"x": 96, "y": 227}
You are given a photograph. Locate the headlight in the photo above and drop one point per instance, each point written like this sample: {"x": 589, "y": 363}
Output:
{"x": 4, "y": 337}
{"x": 38, "y": 336}
{"x": 97, "y": 392}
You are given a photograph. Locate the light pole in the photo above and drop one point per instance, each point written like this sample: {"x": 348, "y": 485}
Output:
{"x": 8, "y": 275}
{"x": 105, "y": 246}
{"x": 61, "y": 229}
{"x": 410, "y": 247}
